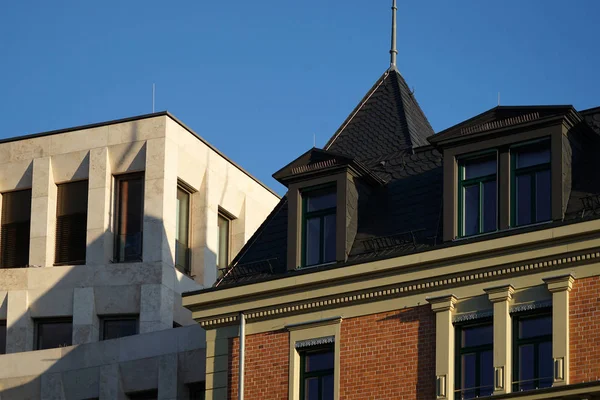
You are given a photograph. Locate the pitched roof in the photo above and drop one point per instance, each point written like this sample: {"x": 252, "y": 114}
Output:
{"x": 388, "y": 119}
{"x": 386, "y": 136}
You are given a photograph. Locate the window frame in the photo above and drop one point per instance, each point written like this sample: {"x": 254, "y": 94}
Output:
{"x": 459, "y": 351}
{"x": 535, "y": 341}
{"x": 480, "y": 181}
{"x": 53, "y": 320}
{"x": 104, "y": 318}
{"x": 532, "y": 170}
{"x": 116, "y": 219}
{"x": 321, "y": 214}
{"x": 229, "y": 218}
{"x": 187, "y": 268}
{"x": 3, "y": 325}
{"x": 328, "y": 348}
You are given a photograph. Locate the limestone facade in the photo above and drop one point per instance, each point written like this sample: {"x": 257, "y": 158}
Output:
{"x": 160, "y": 359}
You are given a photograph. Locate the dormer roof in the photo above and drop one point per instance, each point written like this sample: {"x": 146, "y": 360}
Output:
{"x": 317, "y": 162}
{"x": 497, "y": 119}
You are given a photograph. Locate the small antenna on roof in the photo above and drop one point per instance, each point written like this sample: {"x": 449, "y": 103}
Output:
{"x": 393, "y": 50}
{"x": 314, "y": 140}
{"x": 153, "y": 92}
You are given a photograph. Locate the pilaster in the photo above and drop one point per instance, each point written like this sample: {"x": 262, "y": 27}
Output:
{"x": 501, "y": 297}
{"x": 160, "y": 200}
{"x": 560, "y": 286}
{"x": 43, "y": 211}
{"x": 156, "y": 308}
{"x": 110, "y": 387}
{"x": 85, "y": 320}
{"x": 99, "y": 236}
{"x": 443, "y": 307}
{"x": 19, "y": 325}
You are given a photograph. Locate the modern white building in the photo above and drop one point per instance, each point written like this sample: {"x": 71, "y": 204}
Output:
{"x": 102, "y": 228}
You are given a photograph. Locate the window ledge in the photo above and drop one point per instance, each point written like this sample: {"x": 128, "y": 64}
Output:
{"x": 511, "y": 229}
{"x": 317, "y": 265}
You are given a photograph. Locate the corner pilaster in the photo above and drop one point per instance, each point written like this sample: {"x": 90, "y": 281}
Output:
{"x": 501, "y": 298}
{"x": 560, "y": 286}
{"x": 443, "y": 307}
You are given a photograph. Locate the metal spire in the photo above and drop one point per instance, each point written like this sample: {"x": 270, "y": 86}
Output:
{"x": 393, "y": 50}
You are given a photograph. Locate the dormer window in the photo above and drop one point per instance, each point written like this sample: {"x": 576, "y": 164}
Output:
{"x": 478, "y": 212}
{"x": 319, "y": 220}
{"x": 531, "y": 183}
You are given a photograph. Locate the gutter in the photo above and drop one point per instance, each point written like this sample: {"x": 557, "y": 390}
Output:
{"x": 242, "y": 353}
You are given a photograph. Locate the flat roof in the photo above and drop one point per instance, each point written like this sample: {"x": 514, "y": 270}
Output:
{"x": 137, "y": 118}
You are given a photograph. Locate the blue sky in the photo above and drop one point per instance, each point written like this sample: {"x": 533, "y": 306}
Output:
{"x": 258, "y": 78}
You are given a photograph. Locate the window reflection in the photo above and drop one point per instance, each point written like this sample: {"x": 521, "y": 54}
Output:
{"x": 533, "y": 343}
{"x": 319, "y": 226}
{"x": 478, "y": 195}
{"x": 476, "y": 369}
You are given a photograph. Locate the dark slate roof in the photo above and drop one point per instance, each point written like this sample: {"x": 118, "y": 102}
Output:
{"x": 388, "y": 119}
{"x": 402, "y": 213}
{"x": 592, "y": 117}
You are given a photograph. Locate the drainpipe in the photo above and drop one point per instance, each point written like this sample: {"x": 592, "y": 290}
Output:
{"x": 242, "y": 353}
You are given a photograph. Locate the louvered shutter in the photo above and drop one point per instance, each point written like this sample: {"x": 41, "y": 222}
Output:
{"x": 14, "y": 234}
{"x": 71, "y": 222}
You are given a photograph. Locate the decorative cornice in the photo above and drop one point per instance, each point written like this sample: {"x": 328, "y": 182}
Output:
{"x": 536, "y": 305}
{"x": 560, "y": 283}
{"x": 472, "y": 316}
{"x": 406, "y": 288}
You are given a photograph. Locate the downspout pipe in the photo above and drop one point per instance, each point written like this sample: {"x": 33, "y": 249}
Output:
{"x": 242, "y": 354}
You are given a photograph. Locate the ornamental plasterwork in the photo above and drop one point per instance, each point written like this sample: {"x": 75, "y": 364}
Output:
{"x": 314, "y": 342}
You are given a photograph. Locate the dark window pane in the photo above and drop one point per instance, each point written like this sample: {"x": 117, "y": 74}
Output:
{"x": 526, "y": 365}
{"x": 523, "y": 199}
{"x": 196, "y": 391}
{"x": 327, "y": 391}
{"x": 129, "y": 218}
{"x": 313, "y": 241}
{"x": 2, "y": 337}
{"x": 145, "y": 395}
{"x": 318, "y": 361}
{"x": 479, "y": 167}
{"x": 468, "y": 373}
{"x": 535, "y": 326}
{"x": 223, "y": 242}
{"x": 471, "y": 210}
{"x": 486, "y": 373}
{"x": 477, "y": 335}
{"x": 116, "y": 328}
{"x": 489, "y": 206}
{"x": 320, "y": 200}
{"x": 533, "y": 156}
{"x": 14, "y": 236}
{"x": 54, "y": 334}
{"x": 71, "y": 222}
{"x": 543, "y": 196}
{"x": 311, "y": 389}
{"x": 329, "y": 238}
{"x": 183, "y": 216}
{"x": 545, "y": 364}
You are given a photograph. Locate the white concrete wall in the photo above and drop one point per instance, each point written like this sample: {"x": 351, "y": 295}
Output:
{"x": 166, "y": 152}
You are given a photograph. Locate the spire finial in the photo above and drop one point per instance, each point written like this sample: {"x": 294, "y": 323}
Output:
{"x": 393, "y": 51}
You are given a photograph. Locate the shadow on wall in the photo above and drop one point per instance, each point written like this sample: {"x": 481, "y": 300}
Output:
{"x": 161, "y": 359}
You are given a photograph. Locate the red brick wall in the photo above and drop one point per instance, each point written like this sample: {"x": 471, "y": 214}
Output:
{"x": 389, "y": 355}
{"x": 266, "y": 364}
{"x": 584, "y": 327}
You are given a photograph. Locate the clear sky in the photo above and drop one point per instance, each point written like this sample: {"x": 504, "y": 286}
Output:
{"x": 258, "y": 78}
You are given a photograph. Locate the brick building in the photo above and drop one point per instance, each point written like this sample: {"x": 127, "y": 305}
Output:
{"x": 403, "y": 264}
